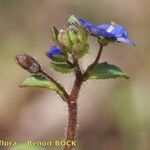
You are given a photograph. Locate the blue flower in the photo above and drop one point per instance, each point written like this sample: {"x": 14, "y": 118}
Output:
{"x": 118, "y": 31}
{"x": 56, "y": 54}
{"x": 111, "y": 31}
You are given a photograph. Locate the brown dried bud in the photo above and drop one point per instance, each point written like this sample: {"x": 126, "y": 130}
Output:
{"x": 28, "y": 63}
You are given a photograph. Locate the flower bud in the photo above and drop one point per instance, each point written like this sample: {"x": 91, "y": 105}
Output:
{"x": 82, "y": 35}
{"x": 80, "y": 49}
{"x": 64, "y": 40}
{"x": 73, "y": 36}
{"x": 28, "y": 63}
{"x": 56, "y": 54}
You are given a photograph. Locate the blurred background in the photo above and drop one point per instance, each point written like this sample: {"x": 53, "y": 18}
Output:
{"x": 113, "y": 114}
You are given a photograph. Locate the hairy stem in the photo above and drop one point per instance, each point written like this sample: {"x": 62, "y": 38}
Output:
{"x": 72, "y": 101}
{"x": 72, "y": 106}
{"x": 76, "y": 64}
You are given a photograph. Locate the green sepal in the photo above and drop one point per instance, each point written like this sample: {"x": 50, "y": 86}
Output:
{"x": 80, "y": 49}
{"x": 107, "y": 71}
{"x": 54, "y": 33}
{"x": 64, "y": 40}
{"x": 73, "y": 20}
{"x": 60, "y": 58}
{"x": 41, "y": 82}
{"x": 63, "y": 68}
{"x": 105, "y": 41}
{"x": 82, "y": 34}
{"x": 73, "y": 36}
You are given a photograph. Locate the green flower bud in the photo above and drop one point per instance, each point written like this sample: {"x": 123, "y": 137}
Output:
{"x": 80, "y": 49}
{"x": 82, "y": 35}
{"x": 73, "y": 36}
{"x": 54, "y": 33}
{"x": 64, "y": 40}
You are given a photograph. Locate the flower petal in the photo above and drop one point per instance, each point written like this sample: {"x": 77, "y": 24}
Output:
{"x": 56, "y": 54}
{"x": 95, "y": 31}
{"x": 104, "y": 26}
{"x": 119, "y": 31}
{"x": 85, "y": 23}
{"x": 115, "y": 29}
{"x": 126, "y": 41}
{"x": 55, "y": 50}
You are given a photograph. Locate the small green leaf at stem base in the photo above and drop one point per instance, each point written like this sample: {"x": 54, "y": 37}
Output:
{"x": 41, "y": 82}
{"x": 107, "y": 71}
{"x": 63, "y": 68}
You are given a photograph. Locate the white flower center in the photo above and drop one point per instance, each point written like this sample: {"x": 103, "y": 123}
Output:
{"x": 110, "y": 28}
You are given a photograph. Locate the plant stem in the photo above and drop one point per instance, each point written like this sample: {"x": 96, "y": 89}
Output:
{"x": 56, "y": 83}
{"x": 93, "y": 65}
{"x": 72, "y": 101}
{"x": 69, "y": 63}
{"x": 72, "y": 108}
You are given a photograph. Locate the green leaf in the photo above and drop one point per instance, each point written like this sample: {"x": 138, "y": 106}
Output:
{"x": 63, "y": 68}
{"x": 107, "y": 71}
{"x": 38, "y": 81}
{"x": 42, "y": 82}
